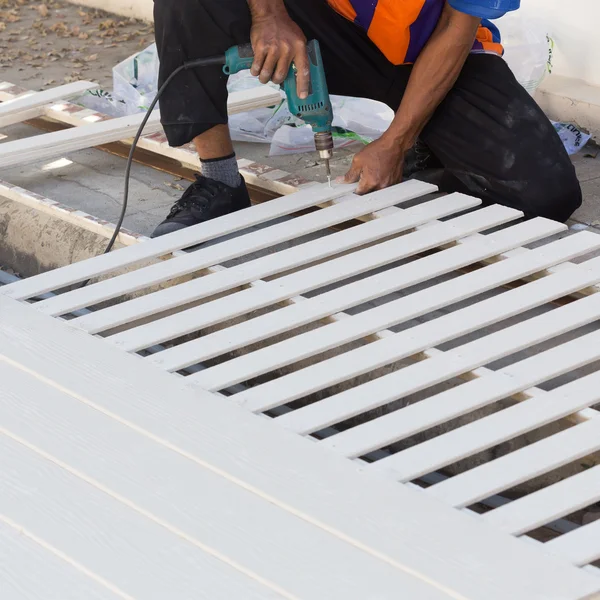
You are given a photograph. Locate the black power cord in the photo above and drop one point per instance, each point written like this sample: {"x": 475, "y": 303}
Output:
{"x": 200, "y": 62}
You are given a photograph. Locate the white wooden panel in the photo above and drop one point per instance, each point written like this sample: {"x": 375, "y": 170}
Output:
{"x": 404, "y": 344}
{"x": 397, "y": 311}
{"x": 548, "y": 504}
{"x": 293, "y": 554}
{"x": 471, "y": 396}
{"x": 297, "y": 283}
{"x": 580, "y": 547}
{"x": 537, "y": 459}
{"x": 135, "y": 552}
{"x": 125, "y": 257}
{"x": 51, "y": 145}
{"x": 48, "y": 145}
{"x": 252, "y": 242}
{"x": 33, "y": 104}
{"x": 31, "y": 571}
{"x": 424, "y": 458}
{"x": 417, "y": 534}
{"x": 265, "y": 266}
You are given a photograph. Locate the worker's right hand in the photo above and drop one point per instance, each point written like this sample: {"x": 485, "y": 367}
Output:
{"x": 277, "y": 42}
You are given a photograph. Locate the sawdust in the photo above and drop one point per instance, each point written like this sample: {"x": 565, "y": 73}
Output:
{"x": 51, "y": 43}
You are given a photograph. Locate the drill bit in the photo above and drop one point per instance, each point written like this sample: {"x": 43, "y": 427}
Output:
{"x": 328, "y": 171}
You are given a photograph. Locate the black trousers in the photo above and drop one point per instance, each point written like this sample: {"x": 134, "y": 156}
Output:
{"x": 488, "y": 136}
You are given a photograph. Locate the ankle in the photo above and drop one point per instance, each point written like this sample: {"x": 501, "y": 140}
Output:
{"x": 223, "y": 169}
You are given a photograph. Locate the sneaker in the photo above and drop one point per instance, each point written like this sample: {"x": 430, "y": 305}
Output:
{"x": 204, "y": 200}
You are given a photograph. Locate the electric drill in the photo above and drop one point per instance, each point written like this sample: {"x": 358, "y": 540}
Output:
{"x": 315, "y": 109}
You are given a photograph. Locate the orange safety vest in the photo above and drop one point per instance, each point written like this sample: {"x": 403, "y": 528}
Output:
{"x": 401, "y": 28}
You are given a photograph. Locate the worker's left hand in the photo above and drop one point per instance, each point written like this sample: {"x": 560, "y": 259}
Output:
{"x": 377, "y": 166}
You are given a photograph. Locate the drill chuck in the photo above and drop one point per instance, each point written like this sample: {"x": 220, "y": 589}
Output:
{"x": 324, "y": 144}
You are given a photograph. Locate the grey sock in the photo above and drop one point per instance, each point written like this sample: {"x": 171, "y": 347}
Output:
{"x": 223, "y": 169}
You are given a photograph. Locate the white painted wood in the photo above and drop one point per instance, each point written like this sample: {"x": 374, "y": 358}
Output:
{"x": 580, "y": 547}
{"x": 471, "y": 396}
{"x": 136, "y": 552}
{"x": 32, "y": 105}
{"x": 226, "y": 279}
{"x": 31, "y": 571}
{"x": 418, "y": 535}
{"x": 126, "y": 257}
{"x": 293, "y": 284}
{"x": 57, "y": 143}
{"x": 548, "y": 504}
{"x": 407, "y": 343}
{"x": 293, "y": 554}
{"x": 49, "y": 145}
{"x": 397, "y": 311}
{"x": 529, "y": 462}
{"x": 251, "y": 242}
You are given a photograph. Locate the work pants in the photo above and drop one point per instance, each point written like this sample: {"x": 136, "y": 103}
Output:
{"x": 488, "y": 137}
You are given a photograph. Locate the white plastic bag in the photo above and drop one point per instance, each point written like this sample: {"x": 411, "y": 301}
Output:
{"x": 528, "y": 48}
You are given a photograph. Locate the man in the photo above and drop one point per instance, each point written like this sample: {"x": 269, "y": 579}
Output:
{"x": 462, "y": 120}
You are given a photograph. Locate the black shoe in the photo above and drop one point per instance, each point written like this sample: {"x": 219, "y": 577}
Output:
{"x": 204, "y": 200}
{"x": 419, "y": 158}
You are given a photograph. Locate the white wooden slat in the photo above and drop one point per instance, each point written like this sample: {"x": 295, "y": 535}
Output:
{"x": 51, "y": 145}
{"x": 473, "y": 395}
{"x": 138, "y": 554}
{"x": 548, "y": 504}
{"x": 32, "y": 105}
{"x": 529, "y": 462}
{"x": 295, "y": 283}
{"x": 29, "y": 571}
{"x": 239, "y": 275}
{"x": 251, "y": 242}
{"x": 397, "y": 311}
{"x": 294, "y": 554}
{"x": 204, "y": 232}
{"x": 47, "y": 145}
{"x": 581, "y": 546}
{"x": 417, "y": 534}
{"x": 407, "y": 343}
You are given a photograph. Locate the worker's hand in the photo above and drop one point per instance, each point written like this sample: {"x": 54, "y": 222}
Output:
{"x": 377, "y": 166}
{"x": 277, "y": 42}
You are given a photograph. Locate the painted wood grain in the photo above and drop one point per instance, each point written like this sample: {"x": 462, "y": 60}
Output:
{"x": 297, "y": 283}
{"x": 407, "y": 343}
{"x": 240, "y": 246}
{"x": 392, "y": 313}
{"x": 442, "y": 546}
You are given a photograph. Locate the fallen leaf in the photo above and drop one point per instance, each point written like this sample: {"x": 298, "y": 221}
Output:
{"x": 91, "y": 57}
{"x": 175, "y": 186}
{"x": 43, "y": 10}
{"x": 83, "y": 36}
{"x": 2, "y": 26}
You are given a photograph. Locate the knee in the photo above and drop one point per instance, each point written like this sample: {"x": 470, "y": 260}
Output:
{"x": 554, "y": 195}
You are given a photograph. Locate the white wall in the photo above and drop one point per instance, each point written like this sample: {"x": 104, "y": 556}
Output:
{"x": 574, "y": 25}
{"x": 140, "y": 9}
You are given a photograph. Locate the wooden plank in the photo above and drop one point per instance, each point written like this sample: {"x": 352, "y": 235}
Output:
{"x": 407, "y": 343}
{"x": 225, "y": 279}
{"x": 32, "y": 105}
{"x": 546, "y": 505}
{"x": 51, "y": 145}
{"x": 420, "y": 536}
{"x": 293, "y": 284}
{"x": 392, "y": 313}
{"x": 251, "y": 242}
{"x": 580, "y": 547}
{"x": 221, "y": 279}
{"x": 30, "y": 570}
{"x": 471, "y": 396}
{"x": 529, "y": 462}
{"x": 294, "y": 555}
{"x": 48, "y": 145}
{"x": 134, "y": 551}
{"x": 204, "y": 232}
